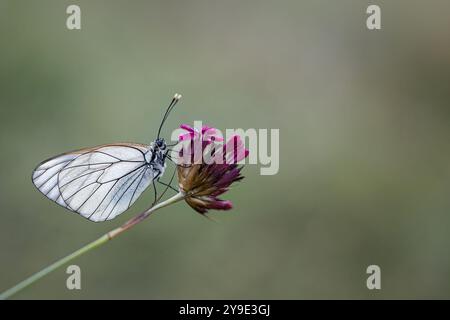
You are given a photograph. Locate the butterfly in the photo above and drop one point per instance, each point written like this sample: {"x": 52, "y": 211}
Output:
{"x": 101, "y": 182}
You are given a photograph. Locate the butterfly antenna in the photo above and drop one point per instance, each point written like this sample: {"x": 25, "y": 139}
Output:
{"x": 172, "y": 104}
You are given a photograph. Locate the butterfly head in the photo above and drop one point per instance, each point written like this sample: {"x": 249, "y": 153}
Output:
{"x": 160, "y": 144}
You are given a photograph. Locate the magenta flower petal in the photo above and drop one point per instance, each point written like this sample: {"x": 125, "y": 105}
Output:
{"x": 187, "y": 128}
{"x": 235, "y": 150}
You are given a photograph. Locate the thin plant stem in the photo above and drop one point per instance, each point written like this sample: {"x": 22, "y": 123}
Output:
{"x": 94, "y": 244}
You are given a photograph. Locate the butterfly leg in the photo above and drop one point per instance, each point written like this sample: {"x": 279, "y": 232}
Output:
{"x": 154, "y": 188}
{"x": 167, "y": 185}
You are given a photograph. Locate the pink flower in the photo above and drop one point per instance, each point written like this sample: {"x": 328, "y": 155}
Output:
{"x": 204, "y": 181}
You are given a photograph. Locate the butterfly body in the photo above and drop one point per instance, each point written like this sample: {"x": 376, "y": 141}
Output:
{"x": 156, "y": 156}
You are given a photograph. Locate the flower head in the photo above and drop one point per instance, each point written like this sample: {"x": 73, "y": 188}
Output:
{"x": 206, "y": 169}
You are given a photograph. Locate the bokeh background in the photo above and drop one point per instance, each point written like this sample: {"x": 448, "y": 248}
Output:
{"x": 364, "y": 125}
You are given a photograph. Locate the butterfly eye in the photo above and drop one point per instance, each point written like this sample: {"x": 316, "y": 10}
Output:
{"x": 160, "y": 143}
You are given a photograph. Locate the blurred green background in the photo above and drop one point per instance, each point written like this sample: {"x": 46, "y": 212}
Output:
{"x": 364, "y": 125}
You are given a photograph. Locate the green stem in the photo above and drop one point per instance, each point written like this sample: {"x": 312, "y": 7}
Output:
{"x": 100, "y": 241}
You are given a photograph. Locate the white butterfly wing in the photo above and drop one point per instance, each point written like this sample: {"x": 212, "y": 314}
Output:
{"x": 98, "y": 183}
